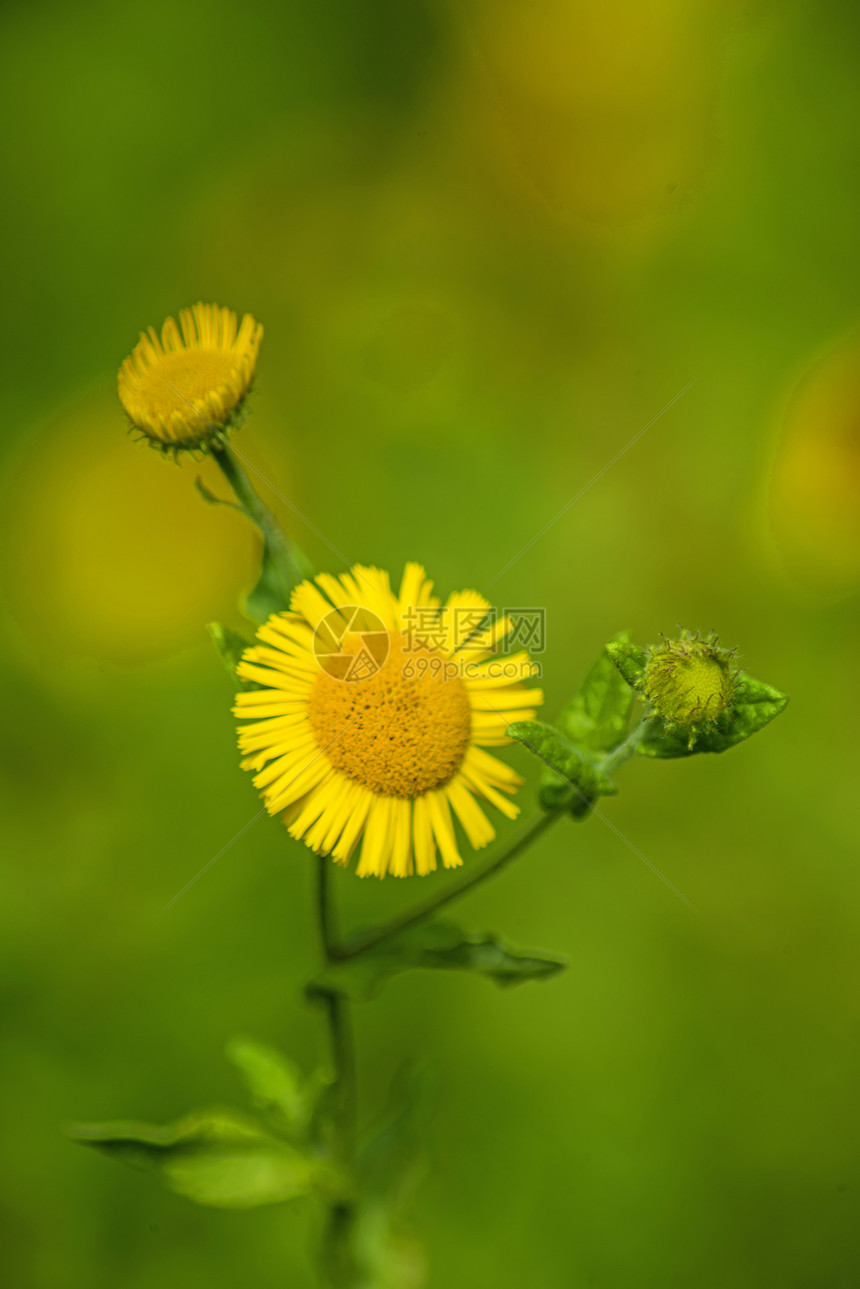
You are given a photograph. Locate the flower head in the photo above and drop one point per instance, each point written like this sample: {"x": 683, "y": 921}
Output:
{"x": 183, "y": 388}
{"x": 372, "y": 714}
{"x": 689, "y": 682}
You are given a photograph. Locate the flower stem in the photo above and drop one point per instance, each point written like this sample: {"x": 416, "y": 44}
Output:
{"x": 495, "y": 865}
{"x": 530, "y": 834}
{"x": 338, "y": 1262}
{"x": 288, "y": 560}
{"x": 625, "y": 750}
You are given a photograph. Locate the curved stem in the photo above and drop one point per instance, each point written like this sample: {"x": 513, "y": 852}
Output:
{"x": 625, "y": 750}
{"x": 455, "y": 890}
{"x": 326, "y": 912}
{"x": 609, "y": 763}
{"x": 291, "y": 564}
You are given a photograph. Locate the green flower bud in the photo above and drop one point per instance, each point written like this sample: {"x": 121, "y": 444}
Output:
{"x": 689, "y": 682}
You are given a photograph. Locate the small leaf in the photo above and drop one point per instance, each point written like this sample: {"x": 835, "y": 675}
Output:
{"x": 391, "y": 1164}
{"x": 271, "y": 593}
{"x": 240, "y": 1179}
{"x": 573, "y": 775}
{"x": 393, "y": 1155}
{"x": 217, "y": 1158}
{"x": 230, "y": 646}
{"x": 436, "y": 945}
{"x": 754, "y": 705}
{"x": 388, "y": 1253}
{"x": 660, "y": 741}
{"x": 599, "y": 714}
{"x": 283, "y": 565}
{"x": 630, "y": 659}
{"x": 545, "y": 742}
{"x": 274, "y": 1082}
{"x": 324, "y": 1101}
{"x": 211, "y": 499}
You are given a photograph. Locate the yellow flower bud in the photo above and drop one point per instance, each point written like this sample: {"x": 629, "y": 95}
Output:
{"x": 183, "y": 389}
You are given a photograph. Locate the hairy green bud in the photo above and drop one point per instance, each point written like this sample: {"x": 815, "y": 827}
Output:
{"x": 689, "y": 682}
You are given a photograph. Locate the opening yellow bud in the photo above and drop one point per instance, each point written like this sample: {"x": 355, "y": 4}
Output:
{"x": 182, "y": 389}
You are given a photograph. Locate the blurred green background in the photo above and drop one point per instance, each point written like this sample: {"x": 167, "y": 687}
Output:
{"x": 488, "y": 242}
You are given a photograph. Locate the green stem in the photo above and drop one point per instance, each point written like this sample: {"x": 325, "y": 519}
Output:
{"x": 625, "y": 750}
{"x": 495, "y": 865}
{"x": 326, "y": 912}
{"x": 291, "y": 564}
{"x": 338, "y": 1263}
{"x": 609, "y": 764}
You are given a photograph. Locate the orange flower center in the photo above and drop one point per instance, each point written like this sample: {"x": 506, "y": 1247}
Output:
{"x": 401, "y": 732}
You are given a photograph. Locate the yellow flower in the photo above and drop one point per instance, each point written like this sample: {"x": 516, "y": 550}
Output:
{"x": 182, "y": 389}
{"x": 372, "y": 716}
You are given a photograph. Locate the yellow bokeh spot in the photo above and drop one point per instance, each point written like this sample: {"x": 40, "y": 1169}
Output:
{"x": 815, "y": 483}
{"x": 600, "y": 112}
{"x": 112, "y": 553}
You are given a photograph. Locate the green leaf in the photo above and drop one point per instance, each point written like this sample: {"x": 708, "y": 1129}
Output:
{"x": 387, "y": 1253}
{"x": 572, "y": 774}
{"x": 282, "y": 563}
{"x": 395, "y": 1150}
{"x": 324, "y": 1103}
{"x": 597, "y": 717}
{"x": 392, "y": 1162}
{"x": 274, "y": 1082}
{"x": 271, "y": 593}
{"x": 230, "y": 646}
{"x": 436, "y": 945}
{"x": 754, "y": 705}
{"x": 630, "y": 659}
{"x": 210, "y": 498}
{"x": 241, "y": 1179}
{"x": 218, "y": 1158}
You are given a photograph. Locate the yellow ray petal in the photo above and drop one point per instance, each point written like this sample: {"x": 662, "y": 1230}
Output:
{"x": 475, "y": 823}
{"x": 401, "y": 827}
{"x": 378, "y": 840}
{"x": 443, "y": 828}
{"x": 422, "y": 833}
